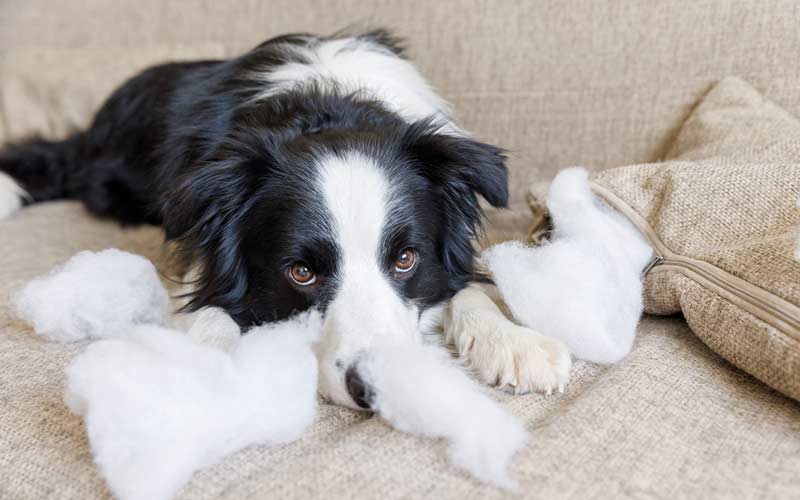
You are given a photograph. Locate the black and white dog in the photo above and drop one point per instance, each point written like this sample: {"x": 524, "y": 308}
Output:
{"x": 309, "y": 172}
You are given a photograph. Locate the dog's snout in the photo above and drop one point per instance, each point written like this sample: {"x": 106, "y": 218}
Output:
{"x": 356, "y": 387}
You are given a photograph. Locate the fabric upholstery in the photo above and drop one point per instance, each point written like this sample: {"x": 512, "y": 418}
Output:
{"x": 672, "y": 420}
{"x": 732, "y": 207}
{"x": 558, "y": 83}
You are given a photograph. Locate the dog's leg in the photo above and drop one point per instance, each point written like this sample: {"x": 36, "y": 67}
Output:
{"x": 503, "y": 353}
{"x": 209, "y": 325}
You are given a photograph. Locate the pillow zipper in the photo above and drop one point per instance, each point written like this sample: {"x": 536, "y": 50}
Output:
{"x": 761, "y": 303}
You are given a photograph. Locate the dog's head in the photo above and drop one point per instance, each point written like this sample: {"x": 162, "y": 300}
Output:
{"x": 344, "y": 208}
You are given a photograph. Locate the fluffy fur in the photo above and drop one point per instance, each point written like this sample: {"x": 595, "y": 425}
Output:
{"x": 93, "y": 295}
{"x": 418, "y": 390}
{"x": 211, "y": 326}
{"x": 584, "y": 287}
{"x": 500, "y": 352}
{"x": 298, "y": 151}
{"x": 377, "y": 73}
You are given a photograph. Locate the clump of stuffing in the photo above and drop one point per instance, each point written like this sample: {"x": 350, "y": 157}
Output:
{"x": 420, "y": 390}
{"x": 584, "y": 287}
{"x": 158, "y": 405}
{"x": 93, "y": 295}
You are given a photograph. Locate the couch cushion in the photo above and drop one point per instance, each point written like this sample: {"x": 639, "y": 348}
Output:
{"x": 726, "y": 223}
{"x": 557, "y": 83}
{"x": 672, "y": 420}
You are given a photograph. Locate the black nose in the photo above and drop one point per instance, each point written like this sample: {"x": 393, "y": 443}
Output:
{"x": 359, "y": 391}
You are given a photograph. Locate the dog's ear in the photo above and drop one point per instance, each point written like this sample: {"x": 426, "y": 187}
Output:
{"x": 460, "y": 168}
{"x": 203, "y": 217}
{"x": 460, "y": 163}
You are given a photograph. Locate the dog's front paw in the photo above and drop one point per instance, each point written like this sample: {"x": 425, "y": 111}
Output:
{"x": 514, "y": 358}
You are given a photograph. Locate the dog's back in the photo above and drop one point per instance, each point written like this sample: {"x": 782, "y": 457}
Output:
{"x": 172, "y": 115}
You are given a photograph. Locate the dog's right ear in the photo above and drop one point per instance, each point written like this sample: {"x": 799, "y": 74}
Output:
{"x": 203, "y": 216}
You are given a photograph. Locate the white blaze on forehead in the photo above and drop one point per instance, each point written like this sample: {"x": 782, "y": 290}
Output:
{"x": 352, "y": 65}
{"x": 358, "y": 198}
{"x": 366, "y": 308}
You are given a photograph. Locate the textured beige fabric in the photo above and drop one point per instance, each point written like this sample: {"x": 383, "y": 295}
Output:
{"x": 558, "y": 83}
{"x": 735, "y": 119}
{"x": 733, "y": 207}
{"x": 673, "y": 420}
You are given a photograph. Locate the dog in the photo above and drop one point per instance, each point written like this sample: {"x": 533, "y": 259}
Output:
{"x": 310, "y": 172}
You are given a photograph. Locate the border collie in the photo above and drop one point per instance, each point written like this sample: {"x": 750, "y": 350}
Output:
{"x": 309, "y": 172}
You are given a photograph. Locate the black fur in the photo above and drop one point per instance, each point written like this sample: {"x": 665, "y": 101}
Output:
{"x": 230, "y": 179}
{"x": 45, "y": 168}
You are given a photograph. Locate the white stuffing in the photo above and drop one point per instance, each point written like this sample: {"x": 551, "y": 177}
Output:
{"x": 420, "y": 390}
{"x": 93, "y": 295}
{"x": 158, "y": 405}
{"x": 584, "y": 287}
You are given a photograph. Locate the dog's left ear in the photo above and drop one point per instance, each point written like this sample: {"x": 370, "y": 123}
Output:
{"x": 460, "y": 168}
{"x": 461, "y": 164}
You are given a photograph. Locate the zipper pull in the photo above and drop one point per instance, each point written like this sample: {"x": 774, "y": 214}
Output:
{"x": 656, "y": 260}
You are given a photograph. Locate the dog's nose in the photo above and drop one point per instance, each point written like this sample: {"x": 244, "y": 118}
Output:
{"x": 358, "y": 390}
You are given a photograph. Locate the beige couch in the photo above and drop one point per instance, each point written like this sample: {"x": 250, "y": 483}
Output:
{"x": 556, "y": 82}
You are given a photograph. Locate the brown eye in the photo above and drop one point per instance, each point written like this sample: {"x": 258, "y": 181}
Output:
{"x": 302, "y": 274}
{"x": 406, "y": 260}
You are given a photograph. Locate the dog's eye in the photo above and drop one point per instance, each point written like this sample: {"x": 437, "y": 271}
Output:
{"x": 301, "y": 274}
{"x": 406, "y": 260}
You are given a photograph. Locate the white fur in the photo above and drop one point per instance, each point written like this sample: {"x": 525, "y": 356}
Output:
{"x": 431, "y": 320}
{"x": 93, "y": 295}
{"x": 211, "y": 326}
{"x": 419, "y": 390}
{"x": 366, "y": 307}
{"x": 158, "y": 405}
{"x": 11, "y": 195}
{"x": 515, "y": 358}
{"x": 359, "y": 65}
{"x": 584, "y": 287}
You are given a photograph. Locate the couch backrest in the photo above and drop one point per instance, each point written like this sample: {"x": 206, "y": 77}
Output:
{"x": 557, "y": 82}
